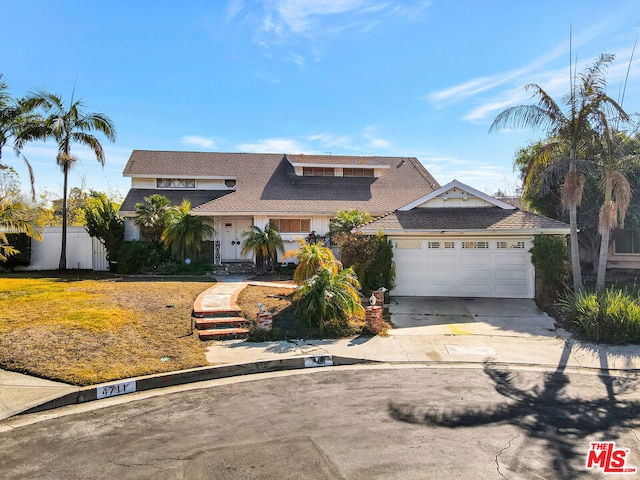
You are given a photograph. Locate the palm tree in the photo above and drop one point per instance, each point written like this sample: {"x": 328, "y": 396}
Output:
{"x": 312, "y": 257}
{"x": 264, "y": 244}
{"x": 184, "y": 233}
{"x": 613, "y": 167}
{"x": 14, "y": 218}
{"x": 104, "y": 223}
{"x": 66, "y": 127}
{"x": 572, "y": 133}
{"x": 329, "y": 299}
{"x": 12, "y": 118}
{"x": 152, "y": 215}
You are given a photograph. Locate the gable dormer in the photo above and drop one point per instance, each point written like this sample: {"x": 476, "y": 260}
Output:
{"x": 456, "y": 195}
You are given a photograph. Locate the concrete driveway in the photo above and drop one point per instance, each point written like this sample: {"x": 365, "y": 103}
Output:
{"x": 469, "y": 316}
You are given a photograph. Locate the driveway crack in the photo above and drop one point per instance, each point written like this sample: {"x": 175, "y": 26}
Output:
{"x": 500, "y": 453}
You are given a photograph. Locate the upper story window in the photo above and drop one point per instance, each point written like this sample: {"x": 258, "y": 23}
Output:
{"x": 176, "y": 183}
{"x": 628, "y": 242}
{"x": 318, "y": 172}
{"x": 291, "y": 225}
{"x": 357, "y": 172}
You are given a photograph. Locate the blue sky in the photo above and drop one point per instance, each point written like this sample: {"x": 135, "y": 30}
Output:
{"x": 351, "y": 77}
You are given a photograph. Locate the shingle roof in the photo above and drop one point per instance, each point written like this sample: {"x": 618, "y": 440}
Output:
{"x": 464, "y": 219}
{"x": 266, "y": 183}
{"x": 338, "y": 160}
{"x": 196, "y": 197}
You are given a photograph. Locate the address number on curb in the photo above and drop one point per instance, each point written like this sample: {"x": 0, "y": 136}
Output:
{"x": 318, "y": 361}
{"x": 115, "y": 389}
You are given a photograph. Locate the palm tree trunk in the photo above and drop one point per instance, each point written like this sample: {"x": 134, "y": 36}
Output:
{"x": 602, "y": 262}
{"x": 573, "y": 228}
{"x": 63, "y": 251}
{"x": 575, "y": 249}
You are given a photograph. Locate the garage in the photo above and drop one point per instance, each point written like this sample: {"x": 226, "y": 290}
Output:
{"x": 459, "y": 242}
{"x": 454, "y": 267}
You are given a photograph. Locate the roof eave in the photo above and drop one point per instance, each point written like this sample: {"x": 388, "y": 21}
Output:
{"x": 485, "y": 231}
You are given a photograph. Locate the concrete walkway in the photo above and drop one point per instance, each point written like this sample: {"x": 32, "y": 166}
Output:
{"x": 463, "y": 335}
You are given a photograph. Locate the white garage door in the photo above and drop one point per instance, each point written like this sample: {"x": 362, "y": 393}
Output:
{"x": 463, "y": 268}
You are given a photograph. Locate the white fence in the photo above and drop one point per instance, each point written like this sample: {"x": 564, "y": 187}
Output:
{"x": 83, "y": 252}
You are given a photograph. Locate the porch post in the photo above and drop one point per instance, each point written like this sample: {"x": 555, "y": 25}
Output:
{"x": 217, "y": 226}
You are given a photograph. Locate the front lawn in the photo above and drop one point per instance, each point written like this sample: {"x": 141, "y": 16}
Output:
{"x": 86, "y": 328}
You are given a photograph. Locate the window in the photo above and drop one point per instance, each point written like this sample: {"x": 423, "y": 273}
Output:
{"x": 409, "y": 244}
{"x": 291, "y": 225}
{"x": 357, "y": 172}
{"x": 511, "y": 244}
{"x": 628, "y": 242}
{"x": 176, "y": 183}
{"x": 317, "y": 172}
{"x": 440, "y": 245}
{"x": 478, "y": 245}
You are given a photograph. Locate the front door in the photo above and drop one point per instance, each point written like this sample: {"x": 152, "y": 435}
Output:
{"x": 231, "y": 238}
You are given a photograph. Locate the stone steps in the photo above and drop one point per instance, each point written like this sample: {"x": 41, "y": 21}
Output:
{"x": 223, "y": 333}
{"x": 225, "y": 322}
{"x": 217, "y": 313}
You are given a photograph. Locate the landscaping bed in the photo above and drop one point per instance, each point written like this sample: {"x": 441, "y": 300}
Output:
{"x": 85, "y": 327}
{"x": 285, "y": 324}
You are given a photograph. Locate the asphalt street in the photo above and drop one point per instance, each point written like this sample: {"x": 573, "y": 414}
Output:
{"x": 402, "y": 422}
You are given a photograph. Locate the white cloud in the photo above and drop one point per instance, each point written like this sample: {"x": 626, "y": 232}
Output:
{"x": 233, "y": 9}
{"x": 273, "y": 145}
{"x": 496, "y": 92}
{"x": 307, "y": 25}
{"x": 297, "y": 15}
{"x": 203, "y": 142}
{"x": 328, "y": 140}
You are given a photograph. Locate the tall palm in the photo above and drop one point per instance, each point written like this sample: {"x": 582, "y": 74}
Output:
{"x": 152, "y": 215}
{"x": 312, "y": 257}
{"x": 184, "y": 233}
{"x": 572, "y": 133}
{"x": 613, "y": 166}
{"x": 14, "y": 218}
{"x": 264, "y": 244}
{"x": 66, "y": 126}
{"x": 12, "y": 118}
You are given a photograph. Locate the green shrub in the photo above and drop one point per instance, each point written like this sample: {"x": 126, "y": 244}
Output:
{"x": 371, "y": 257}
{"x": 609, "y": 315}
{"x": 136, "y": 256}
{"x": 22, "y": 243}
{"x": 549, "y": 256}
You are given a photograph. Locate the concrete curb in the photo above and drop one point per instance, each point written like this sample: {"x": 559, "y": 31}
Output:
{"x": 151, "y": 382}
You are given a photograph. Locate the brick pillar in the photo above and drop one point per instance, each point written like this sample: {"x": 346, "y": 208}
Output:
{"x": 379, "y": 297}
{"x": 264, "y": 320}
{"x": 373, "y": 318}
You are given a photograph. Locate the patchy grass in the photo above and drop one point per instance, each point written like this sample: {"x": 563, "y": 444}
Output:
{"x": 86, "y": 328}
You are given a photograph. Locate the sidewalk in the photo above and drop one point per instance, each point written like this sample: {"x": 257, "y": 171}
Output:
{"x": 433, "y": 345}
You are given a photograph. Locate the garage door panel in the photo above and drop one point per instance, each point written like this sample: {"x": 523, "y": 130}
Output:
{"x": 504, "y": 274}
{"x": 479, "y": 272}
{"x": 476, "y": 289}
{"x": 443, "y": 290}
{"x": 512, "y": 290}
